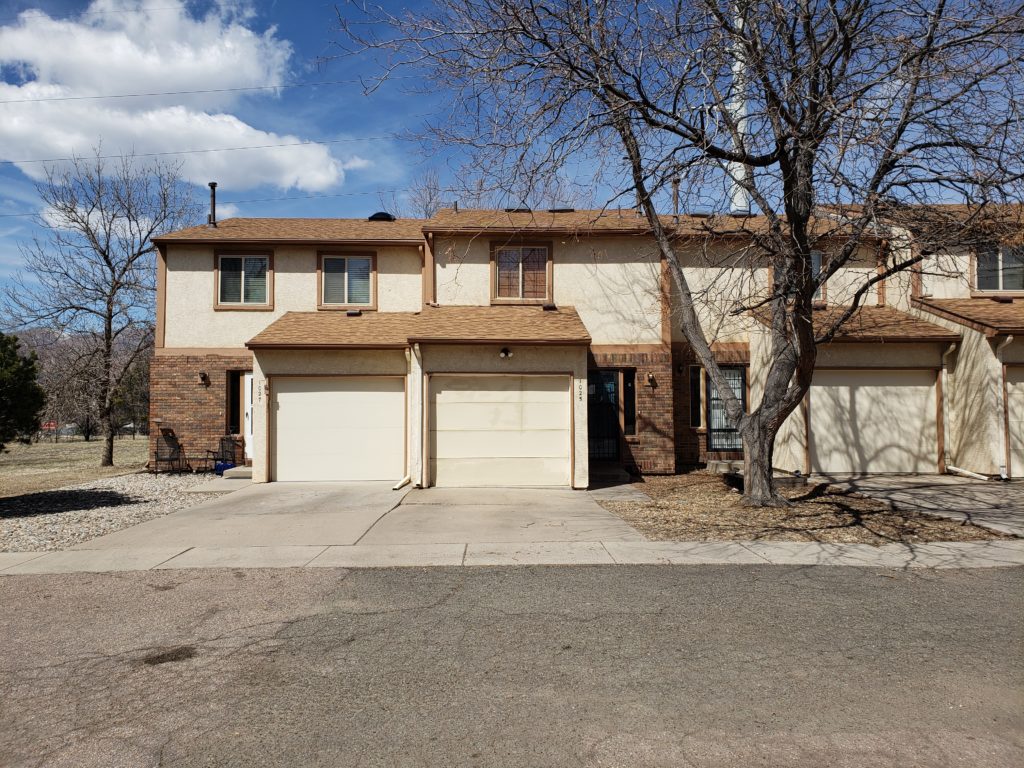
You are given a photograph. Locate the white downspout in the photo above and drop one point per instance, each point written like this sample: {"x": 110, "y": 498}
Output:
{"x": 408, "y": 412}
{"x": 1004, "y": 435}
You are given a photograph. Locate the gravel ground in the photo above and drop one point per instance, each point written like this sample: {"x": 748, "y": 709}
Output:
{"x": 61, "y": 518}
{"x": 701, "y": 506}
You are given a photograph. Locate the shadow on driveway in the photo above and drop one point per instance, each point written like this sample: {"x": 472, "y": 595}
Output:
{"x": 992, "y": 504}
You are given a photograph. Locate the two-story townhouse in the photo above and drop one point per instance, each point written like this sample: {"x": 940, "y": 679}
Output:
{"x": 486, "y": 347}
{"x": 476, "y": 348}
{"x": 974, "y": 287}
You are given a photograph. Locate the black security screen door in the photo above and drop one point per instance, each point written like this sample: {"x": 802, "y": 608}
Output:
{"x": 603, "y": 415}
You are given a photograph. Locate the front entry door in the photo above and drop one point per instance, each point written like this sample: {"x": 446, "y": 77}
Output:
{"x": 603, "y": 415}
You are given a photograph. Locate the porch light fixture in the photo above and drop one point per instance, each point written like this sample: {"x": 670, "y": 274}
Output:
{"x": 203, "y": 378}
{"x": 505, "y": 353}
{"x": 650, "y": 379}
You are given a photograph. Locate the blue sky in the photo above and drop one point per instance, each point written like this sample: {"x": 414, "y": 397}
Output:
{"x": 61, "y": 51}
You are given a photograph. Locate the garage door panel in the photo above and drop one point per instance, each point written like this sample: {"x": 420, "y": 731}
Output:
{"x": 873, "y": 421}
{"x": 500, "y": 430}
{"x": 338, "y": 429}
{"x": 480, "y": 416}
{"x": 546, "y": 415}
{"x": 475, "y": 444}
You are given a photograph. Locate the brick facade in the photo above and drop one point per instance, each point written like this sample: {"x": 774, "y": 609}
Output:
{"x": 197, "y": 412}
{"x": 652, "y": 449}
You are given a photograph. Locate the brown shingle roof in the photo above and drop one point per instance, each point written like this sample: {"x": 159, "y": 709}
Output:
{"x": 875, "y": 324}
{"x": 603, "y": 222}
{"x": 300, "y": 231}
{"x": 501, "y": 324}
{"x": 455, "y": 325}
{"x": 983, "y": 314}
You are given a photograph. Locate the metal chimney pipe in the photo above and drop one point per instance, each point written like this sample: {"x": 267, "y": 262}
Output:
{"x": 675, "y": 199}
{"x": 211, "y": 220}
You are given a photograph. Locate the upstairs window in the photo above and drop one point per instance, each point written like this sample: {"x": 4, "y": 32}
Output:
{"x": 521, "y": 273}
{"x": 243, "y": 280}
{"x": 1000, "y": 268}
{"x": 346, "y": 281}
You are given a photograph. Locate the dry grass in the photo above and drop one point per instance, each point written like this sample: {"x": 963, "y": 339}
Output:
{"x": 703, "y": 507}
{"x": 44, "y": 466}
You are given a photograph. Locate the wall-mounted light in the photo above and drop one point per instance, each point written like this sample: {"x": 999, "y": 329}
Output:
{"x": 203, "y": 378}
{"x": 505, "y": 353}
{"x": 651, "y": 381}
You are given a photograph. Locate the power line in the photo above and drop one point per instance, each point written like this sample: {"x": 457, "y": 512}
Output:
{"x": 279, "y": 199}
{"x": 185, "y": 93}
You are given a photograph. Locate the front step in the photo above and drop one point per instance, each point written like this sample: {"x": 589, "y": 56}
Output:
{"x": 238, "y": 473}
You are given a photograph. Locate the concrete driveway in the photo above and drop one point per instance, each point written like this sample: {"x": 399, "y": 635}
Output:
{"x": 498, "y": 515}
{"x": 995, "y": 505}
{"x": 266, "y": 515}
{"x": 343, "y": 514}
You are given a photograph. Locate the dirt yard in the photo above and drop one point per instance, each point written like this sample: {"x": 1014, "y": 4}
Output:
{"x": 44, "y": 466}
{"x": 703, "y": 507}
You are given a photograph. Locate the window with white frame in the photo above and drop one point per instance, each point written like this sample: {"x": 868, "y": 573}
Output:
{"x": 243, "y": 279}
{"x": 1000, "y": 268}
{"x": 346, "y": 280}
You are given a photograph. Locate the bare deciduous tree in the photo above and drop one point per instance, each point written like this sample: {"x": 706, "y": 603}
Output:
{"x": 815, "y": 113}
{"x": 90, "y": 277}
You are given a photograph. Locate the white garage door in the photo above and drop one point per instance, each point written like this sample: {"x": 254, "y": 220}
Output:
{"x": 338, "y": 429}
{"x": 1015, "y": 411}
{"x": 873, "y": 421}
{"x": 499, "y": 430}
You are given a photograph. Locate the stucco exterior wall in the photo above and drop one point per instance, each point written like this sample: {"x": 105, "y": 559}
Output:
{"x": 719, "y": 278}
{"x": 192, "y": 321}
{"x": 476, "y": 358}
{"x": 613, "y": 282}
{"x": 973, "y": 396}
{"x": 790, "y": 443}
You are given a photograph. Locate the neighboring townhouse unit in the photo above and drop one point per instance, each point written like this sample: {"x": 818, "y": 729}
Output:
{"x": 488, "y": 347}
{"x": 976, "y": 291}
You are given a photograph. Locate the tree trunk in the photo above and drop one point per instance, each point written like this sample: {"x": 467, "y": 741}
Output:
{"x": 108, "y": 441}
{"x": 758, "y": 453}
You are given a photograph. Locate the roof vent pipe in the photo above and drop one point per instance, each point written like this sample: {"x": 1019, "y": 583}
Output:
{"x": 211, "y": 220}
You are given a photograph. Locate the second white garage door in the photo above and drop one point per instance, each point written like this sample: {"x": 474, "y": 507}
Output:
{"x": 499, "y": 430}
{"x": 873, "y": 421}
{"x": 338, "y": 429}
{"x": 1015, "y": 418}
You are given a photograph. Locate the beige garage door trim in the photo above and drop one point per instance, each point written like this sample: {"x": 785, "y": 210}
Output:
{"x": 391, "y": 433}
{"x": 1014, "y": 419}
{"x": 874, "y": 420}
{"x": 498, "y": 470}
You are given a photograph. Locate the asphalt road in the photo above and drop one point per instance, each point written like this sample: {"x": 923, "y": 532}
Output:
{"x": 586, "y": 666}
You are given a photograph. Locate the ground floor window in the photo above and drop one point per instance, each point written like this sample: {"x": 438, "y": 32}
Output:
{"x": 722, "y": 436}
{"x": 611, "y": 411}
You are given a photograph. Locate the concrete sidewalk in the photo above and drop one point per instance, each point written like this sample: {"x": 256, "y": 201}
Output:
{"x": 986, "y": 554}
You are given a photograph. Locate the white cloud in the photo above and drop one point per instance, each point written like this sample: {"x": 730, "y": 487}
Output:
{"x": 163, "y": 49}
